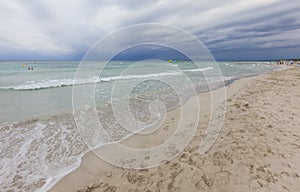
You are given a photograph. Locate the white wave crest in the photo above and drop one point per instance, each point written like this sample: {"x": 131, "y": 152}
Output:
{"x": 52, "y": 83}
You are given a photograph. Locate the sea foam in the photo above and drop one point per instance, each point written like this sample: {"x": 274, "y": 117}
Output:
{"x": 36, "y": 154}
{"x": 53, "y": 83}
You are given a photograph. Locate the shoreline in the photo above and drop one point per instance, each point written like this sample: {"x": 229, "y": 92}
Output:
{"x": 50, "y": 187}
{"x": 55, "y": 118}
{"x": 91, "y": 160}
{"x": 255, "y": 150}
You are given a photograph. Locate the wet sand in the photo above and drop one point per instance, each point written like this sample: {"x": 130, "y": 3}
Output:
{"x": 258, "y": 148}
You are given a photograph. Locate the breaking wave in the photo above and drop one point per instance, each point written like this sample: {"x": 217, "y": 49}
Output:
{"x": 53, "y": 83}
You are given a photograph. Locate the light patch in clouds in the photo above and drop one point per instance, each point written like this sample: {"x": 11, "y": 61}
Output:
{"x": 66, "y": 29}
{"x": 23, "y": 34}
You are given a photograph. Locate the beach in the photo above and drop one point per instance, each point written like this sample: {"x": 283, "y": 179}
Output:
{"x": 258, "y": 148}
{"x": 150, "y": 96}
{"x": 41, "y": 131}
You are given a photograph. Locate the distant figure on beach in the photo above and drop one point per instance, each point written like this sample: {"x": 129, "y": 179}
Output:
{"x": 30, "y": 68}
{"x": 287, "y": 62}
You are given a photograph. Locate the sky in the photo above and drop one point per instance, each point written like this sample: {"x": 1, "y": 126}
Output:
{"x": 230, "y": 29}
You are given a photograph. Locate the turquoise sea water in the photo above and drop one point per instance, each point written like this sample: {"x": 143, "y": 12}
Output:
{"x": 47, "y": 89}
{"x": 38, "y": 135}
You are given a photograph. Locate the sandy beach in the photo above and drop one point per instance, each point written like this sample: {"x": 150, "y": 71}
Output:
{"x": 258, "y": 148}
{"x": 150, "y": 96}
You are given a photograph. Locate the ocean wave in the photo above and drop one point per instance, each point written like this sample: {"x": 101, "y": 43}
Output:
{"x": 54, "y": 83}
{"x": 200, "y": 69}
{"x": 50, "y": 83}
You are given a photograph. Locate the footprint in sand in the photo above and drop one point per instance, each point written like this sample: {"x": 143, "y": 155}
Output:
{"x": 111, "y": 189}
{"x": 204, "y": 183}
{"x": 222, "y": 159}
{"x": 166, "y": 128}
{"x": 221, "y": 178}
{"x": 196, "y": 160}
{"x": 262, "y": 173}
{"x": 171, "y": 150}
{"x": 184, "y": 158}
{"x": 105, "y": 187}
{"x": 137, "y": 176}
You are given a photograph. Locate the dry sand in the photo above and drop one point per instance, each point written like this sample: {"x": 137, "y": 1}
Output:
{"x": 258, "y": 149}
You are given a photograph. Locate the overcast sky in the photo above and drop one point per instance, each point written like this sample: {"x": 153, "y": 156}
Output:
{"x": 231, "y": 29}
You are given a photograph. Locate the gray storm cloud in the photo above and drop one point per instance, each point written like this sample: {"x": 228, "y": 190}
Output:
{"x": 66, "y": 29}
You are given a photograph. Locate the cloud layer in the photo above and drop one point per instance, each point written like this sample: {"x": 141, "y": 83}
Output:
{"x": 231, "y": 29}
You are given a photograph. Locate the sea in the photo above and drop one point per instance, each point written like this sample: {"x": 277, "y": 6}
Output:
{"x": 39, "y": 140}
